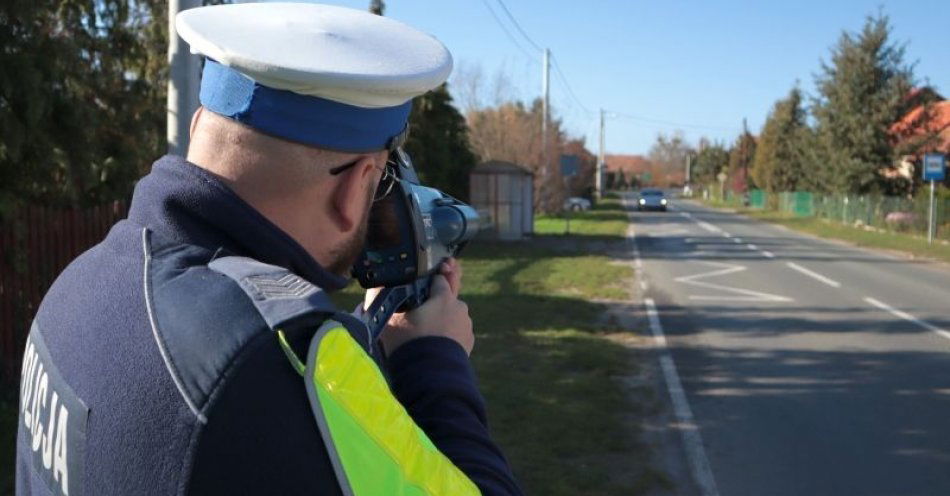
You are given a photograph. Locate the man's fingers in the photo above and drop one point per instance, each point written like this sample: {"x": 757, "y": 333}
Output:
{"x": 440, "y": 286}
{"x": 452, "y": 271}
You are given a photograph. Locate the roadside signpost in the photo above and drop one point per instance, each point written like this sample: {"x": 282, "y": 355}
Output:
{"x": 722, "y": 176}
{"x": 570, "y": 164}
{"x": 935, "y": 167}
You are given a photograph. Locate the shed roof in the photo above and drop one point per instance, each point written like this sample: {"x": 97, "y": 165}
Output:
{"x": 501, "y": 167}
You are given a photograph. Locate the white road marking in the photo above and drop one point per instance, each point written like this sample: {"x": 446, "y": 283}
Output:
{"x": 705, "y": 240}
{"x": 692, "y": 440}
{"x": 815, "y": 275}
{"x": 752, "y": 246}
{"x": 768, "y": 254}
{"x": 726, "y": 235}
{"x": 726, "y": 269}
{"x": 906, "y": 316}
{"x": 709, "y": 227}
{"x": 637, "y": 262}
{"x": 737, "y": 240}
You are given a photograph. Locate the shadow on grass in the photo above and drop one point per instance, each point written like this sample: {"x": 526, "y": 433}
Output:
{"x": 555, "y": 400}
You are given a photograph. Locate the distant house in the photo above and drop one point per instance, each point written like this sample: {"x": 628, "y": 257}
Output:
{"x": 925, "y": 129}
{"x": 628, "y": 167}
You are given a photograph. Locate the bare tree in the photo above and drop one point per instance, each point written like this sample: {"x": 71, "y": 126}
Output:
{"x": 668, "y": 156}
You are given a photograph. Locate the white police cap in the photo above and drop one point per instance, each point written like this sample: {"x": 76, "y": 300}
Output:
{"x": 323, "y": 75}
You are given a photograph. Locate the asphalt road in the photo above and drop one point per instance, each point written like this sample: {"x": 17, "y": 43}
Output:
{"x": 808, "y": 367}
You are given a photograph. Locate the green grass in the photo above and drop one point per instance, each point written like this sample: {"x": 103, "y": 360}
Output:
{"x": 907, "y": 243}
{"x": 549, "y": 371}
{"x": 605, "y": 220}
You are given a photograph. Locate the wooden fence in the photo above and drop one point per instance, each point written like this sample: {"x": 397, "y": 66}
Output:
{"x": 36, "y": 244}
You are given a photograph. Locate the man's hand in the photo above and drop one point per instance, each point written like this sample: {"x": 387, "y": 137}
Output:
{"x": 443, "y": 314}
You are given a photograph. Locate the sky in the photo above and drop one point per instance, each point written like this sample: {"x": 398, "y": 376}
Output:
{"x": 658, "y": 66}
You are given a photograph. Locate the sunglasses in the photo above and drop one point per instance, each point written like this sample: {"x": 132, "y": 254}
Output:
{"x": 386, "y": 183}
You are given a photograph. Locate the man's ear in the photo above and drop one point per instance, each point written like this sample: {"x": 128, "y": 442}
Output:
{"x": 350, "y": 197}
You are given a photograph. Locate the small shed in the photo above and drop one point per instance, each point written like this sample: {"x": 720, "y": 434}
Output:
{"x": 504, "y": 192}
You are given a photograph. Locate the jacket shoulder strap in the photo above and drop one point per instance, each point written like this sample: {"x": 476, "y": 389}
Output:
{"x": 279, "y": 295}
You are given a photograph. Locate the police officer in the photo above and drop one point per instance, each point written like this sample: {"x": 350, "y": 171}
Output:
{"x": 194, "y": 350}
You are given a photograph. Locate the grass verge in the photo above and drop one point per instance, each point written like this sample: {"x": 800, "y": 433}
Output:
{"x": 551, "y": 374}
{"x": 606, "y": 220}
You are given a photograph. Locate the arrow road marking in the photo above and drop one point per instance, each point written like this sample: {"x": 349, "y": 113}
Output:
{"x": 738, "y": 294}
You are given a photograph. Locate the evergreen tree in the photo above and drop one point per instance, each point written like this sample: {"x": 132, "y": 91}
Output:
{"x": 711, "y": 159}
{"x": 862, "y": 92}
{"x": 81, "y": 98}
{"x": 779, "y": 163}
{"x": 438, "y": 143}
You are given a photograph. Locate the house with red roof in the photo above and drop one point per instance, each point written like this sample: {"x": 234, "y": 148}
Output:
{"x": 925, "y": 129}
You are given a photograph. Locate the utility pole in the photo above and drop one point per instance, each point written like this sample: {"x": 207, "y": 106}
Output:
{"x": 545, "y": 101}
{"x": 183, "y": 81}
{"x": 745, "y": 157}
{"x": 688, "y": 165}
{"x": 599, "y": 179}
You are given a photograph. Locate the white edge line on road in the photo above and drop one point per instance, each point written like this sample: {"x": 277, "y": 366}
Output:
{"x": 814, "y": 275}
{"x": 692, "y": 440}
{"x": 906, "y": 316}
{"x": 637, "y": 261}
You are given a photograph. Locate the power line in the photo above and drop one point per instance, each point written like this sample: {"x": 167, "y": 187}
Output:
{"x": 570, "y": 91}
{"x": 518, "y": 26}
{"x": 652, "y": 120}
{"x": 507, "y": 33}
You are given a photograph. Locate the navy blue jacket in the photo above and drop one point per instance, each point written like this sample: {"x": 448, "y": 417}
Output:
{"x": 147, "y": 373}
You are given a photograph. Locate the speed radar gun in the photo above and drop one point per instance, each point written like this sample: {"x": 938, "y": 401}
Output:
{"x": 411, "y": 232}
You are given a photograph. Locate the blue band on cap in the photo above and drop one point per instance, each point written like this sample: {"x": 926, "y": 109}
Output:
{"x": 305, "y": 119}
